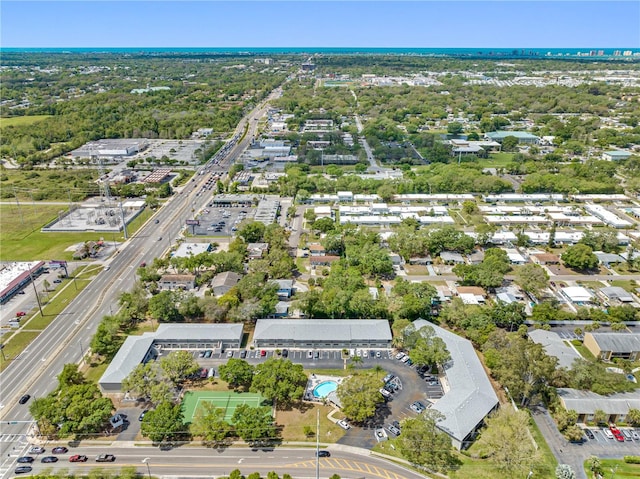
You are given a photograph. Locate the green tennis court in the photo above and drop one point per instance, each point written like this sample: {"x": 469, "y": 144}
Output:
{"x": 228, "y": 401}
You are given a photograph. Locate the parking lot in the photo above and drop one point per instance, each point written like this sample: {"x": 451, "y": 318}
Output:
{"x": 222, "y": 221}
{"x": 604, "y": 444}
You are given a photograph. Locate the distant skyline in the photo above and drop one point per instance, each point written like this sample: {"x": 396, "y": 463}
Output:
{"x": 302, "y": 23}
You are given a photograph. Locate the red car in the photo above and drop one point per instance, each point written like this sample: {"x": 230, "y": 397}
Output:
{"x": 78, "y": 458}
{"x": 616, "y": 433}
{"x": 263, "y": 353}
{"x": 21, "y": 313}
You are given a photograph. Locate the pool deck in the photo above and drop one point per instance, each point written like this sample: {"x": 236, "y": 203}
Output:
{"x": 313, "y": 382}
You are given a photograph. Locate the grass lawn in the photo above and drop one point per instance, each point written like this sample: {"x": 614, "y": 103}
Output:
{"x": 15, "y": 345}
{"x": 22, "y": 120}
{"x": 94, "y": 373}
{"x": 496, "y": 160}
{"x": 584, "y": 352}
{"x": 295, "y": 420}
{"x": 22, "y": 239}
{"x": 628, "y": 285}
{"x": 623, "y": 469}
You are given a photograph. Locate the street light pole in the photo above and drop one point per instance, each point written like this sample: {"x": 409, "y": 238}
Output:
{"x": 33, "y": 283}
{"x": 146, "y": 461}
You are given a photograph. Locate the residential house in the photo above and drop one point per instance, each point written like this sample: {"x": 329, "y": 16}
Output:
{"x": 223, "y": 282}
{"x": 285, "y": 287}
{"x": 545, "y": 258}
{"x": 257, "y": 250}
{"x": 450, "y": 257}
{"x": 326, "y": 260}
{"x": 177, "y": 281}
{"x": 615, "y": 294}
{"x": 316, "y": 250}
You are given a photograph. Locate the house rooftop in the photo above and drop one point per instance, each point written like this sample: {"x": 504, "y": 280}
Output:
{"x": 347, "y": 330}
{"x": 555, "y": 346}
{"x": 587, "y": 402}
{"x": 617, "y": 342}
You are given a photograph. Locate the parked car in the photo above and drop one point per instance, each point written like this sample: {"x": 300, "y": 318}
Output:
{"x": 23, "y": 469}
{"x": 616, "y": 433}
{"x": 417, "y": 407}
{"x": 142, "y": 414}
{"x": 343, "y": 424}
{"x": 323, "y": 454}
{"x": 201, "y": 354}
{"x": 309, "y": 354}
{"x": 36, "y": 450}
{"x": 243, "y": 354}
{"x": 263, "y": 353}
{"x": 285, "y": 353}
{"x": 57, "y": 281}
{"x": 589, "y": 434}
{"x": 21, "y": 313}
{"x": 607, "y": 433}
{"x": 378, "y": 354}
{"x": 399, "y": 356}
{"x": 105, "y": 458}
{"x": 203, "y": 373}
{"x": 394, "y": 430}
{"x": 316, "y": 355}
{"x": 49, "y": 459}
{"x": 25, "y": 459}
{"x": 24, "y": 399}
{"x": 229, "y": 354}
{"x": 388, "y": 378}
{"x": 208, "y": 353}
{"x": 62, "y": 449}
{"x": 78, "y": 458}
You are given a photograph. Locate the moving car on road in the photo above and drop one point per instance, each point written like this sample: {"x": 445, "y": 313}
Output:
{"x": 36, "y": 450}
{"x": 49, "y": 459}
{"x": 25, "y": 459}
{"x": 23, "y": 469}
{"x": 59, "y": 450}
{"x": 323, "y": 454}
{"x": 24, "y": 399}
{"x": 105, "y": 458}
{"x": 78, "y": 458}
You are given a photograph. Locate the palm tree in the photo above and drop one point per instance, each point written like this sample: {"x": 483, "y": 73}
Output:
{"x": 378, "y": 369}
{"x": 356, "y": 360}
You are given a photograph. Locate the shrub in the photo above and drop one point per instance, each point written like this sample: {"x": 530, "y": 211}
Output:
{"x": 632, "y": 459}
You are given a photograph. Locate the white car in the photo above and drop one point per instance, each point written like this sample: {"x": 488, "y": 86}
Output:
{"x": 343, "y": 424}
{"x": 365, "y": 354}
{"x": 399, "y": 356}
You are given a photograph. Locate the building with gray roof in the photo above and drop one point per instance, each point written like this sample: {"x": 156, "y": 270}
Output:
{"x": 616, "y": 293}
{"x": 521, "y": 136}
{"x": 322, "y": 333}
{"x": 141, "y": 349}
{"x": 554, "y": 346}
{"x": 586, "y": 403}
{"x": 470, "y": 397}
{"x": 608, "y": 346}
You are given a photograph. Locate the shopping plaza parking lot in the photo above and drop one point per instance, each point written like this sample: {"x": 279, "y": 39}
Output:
{"x": 221, "y": 221}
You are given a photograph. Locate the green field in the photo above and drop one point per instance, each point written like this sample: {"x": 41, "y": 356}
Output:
{"x": 22, "y": 240}
{"x": 617, "y": 468}
{"x": 496, "y": 160}
{"x": 227, "y": 400}
{"x": 22, "y": 120}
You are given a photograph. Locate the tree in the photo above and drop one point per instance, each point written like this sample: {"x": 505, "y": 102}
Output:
{"x": 580, "y": 257}
{"x": 179, "y": 365}
{"x": 513, "y": 453}
{"x": 107, "y": 339}
{"x": 252, "y": 232}
{"x": 599, "y": 416}
{"x": 633, "y": 417}
{"x": 424, "y": 444}
{"x": 425, "y": 347}
{"x": 209, "y": 424}
{"x": 254, "y": 424}
{"x": 74, "y": 409}
{"x": 279, "y": 380}
{"x": 324, "y": 225}
{"x": 509, "y": 143}
{"x": 532, "y": 278}
{"x": 162, "y": 307}
{"x": 565, "y": 471}
{"x": 141, "y": 380}
{"x": 594, "y": 465}
{"x": 70, "y": 376}
{"x": 164, "y": 423}
{"x": 519, "y": 364}
{"x": 360, "y": 396}
{"x": 455, "y": 128}
{"x": 236, "y": 372}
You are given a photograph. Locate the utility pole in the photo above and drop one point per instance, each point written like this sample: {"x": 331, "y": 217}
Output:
{"x": 18, "y": 203}
{"x": 35, "y": 290}
{"x": 318, "y": 444}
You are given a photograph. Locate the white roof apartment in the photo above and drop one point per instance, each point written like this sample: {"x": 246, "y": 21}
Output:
{"x": 470, "y": 397}
{"x": 191, "y": 249}
{"x": 577, "y": 294}
{"x": 523, "y": 197}
{"x": 607, "y": 216}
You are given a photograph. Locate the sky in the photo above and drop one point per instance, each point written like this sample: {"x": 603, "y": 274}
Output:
{"x": 329, "y": 23}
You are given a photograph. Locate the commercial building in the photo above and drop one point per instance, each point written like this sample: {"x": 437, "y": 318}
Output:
{"x": 608, "y": 346}
{"x": 192, "y": 249}
{"x": 322, "y": 333}
{"x": 470, "y": 398}
{"x": 227, "y": 200}
{"x": 111, "y": 148}
{"x": 267, "y": 211}
{"x": 141, "y": 349}
{"x": 616, "y": 155}
{"x": 15, "y": 276}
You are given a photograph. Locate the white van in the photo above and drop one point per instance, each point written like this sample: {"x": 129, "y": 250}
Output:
{"x": 211, "y": 373}
{"x": 607, "y": 433}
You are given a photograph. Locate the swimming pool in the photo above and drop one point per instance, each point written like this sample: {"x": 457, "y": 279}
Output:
{"x": 323, "y": 389}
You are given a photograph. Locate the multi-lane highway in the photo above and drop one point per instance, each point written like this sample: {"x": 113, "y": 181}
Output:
{"x": 34, "y": 371}
{"x": 206, "y": 462}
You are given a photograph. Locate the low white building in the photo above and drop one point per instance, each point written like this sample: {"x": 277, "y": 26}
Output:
{"x": 577, "y": 294}
{"x": 607, "y": 216}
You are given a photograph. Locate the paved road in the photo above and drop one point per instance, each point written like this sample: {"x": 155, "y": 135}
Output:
{"x": 66, "y": 339}
{"x": 188, "y": 462}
